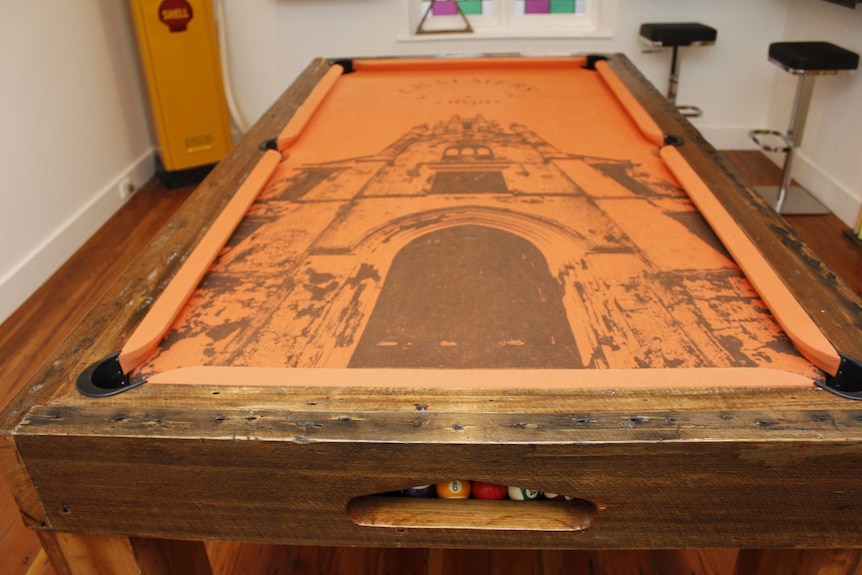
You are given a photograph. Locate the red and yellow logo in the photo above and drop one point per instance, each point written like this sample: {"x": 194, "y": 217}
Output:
{"x": 175, "y": 14}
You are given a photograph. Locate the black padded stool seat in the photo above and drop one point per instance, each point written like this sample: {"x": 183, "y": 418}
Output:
{"x": 812, "y": 56}
{"x": 678, "y": 34}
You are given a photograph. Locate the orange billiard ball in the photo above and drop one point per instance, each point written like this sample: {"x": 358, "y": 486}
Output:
{"x": 458, "y": 489}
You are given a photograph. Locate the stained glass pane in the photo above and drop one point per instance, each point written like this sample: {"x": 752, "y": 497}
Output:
{"x": 520, "y": 7}
{"x": 562, "y": 6}
{"x": 537, "y": 7}
{"x": 549, "y": 6}
{"x": 444, "y": 9}
{"x": 450, "y": 8}
{"x": 471, "y": 6}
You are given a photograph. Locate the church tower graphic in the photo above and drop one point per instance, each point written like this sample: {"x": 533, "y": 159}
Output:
{"x": 470, "y": 244}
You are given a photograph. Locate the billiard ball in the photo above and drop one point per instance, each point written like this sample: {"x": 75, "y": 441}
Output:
{"x": 521, "y": 494}
{"x": 454, "y": 489}
{"x": 482, "y": 490}
{"x": 558, "y": 497}
{"x": 420, "y": 491}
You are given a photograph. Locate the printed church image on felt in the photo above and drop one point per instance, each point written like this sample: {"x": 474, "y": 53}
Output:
{"x": 466, "y": 243}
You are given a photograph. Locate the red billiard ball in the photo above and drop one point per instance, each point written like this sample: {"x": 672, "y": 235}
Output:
{"x": 454, "y": 489}
{"x": 521, "y": 494}
{"x": 482, "y": 490}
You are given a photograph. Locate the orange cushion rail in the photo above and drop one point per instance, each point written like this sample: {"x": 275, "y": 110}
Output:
{"x": 710, "y": 378}
{"x": 800, "y": 328}
{"x": 169, "y": 304}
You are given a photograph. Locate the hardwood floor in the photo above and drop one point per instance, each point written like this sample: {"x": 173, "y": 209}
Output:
{"x": 37, "y": 327}
{"x": 345, "y": 561}
{"x": 825, "y": 234}
{"x": 29, "y": 335}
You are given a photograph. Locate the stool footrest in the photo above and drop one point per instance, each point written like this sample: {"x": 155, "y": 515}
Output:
{"x": 797, "y": 200}
{"x": 689, "y": 111}
{"x": 759, "y": 137}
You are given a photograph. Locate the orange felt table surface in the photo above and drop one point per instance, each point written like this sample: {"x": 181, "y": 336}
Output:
{"x": 478, "y": 213}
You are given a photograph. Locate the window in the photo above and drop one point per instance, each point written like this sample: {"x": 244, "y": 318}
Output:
{"x": 511, "y": 18}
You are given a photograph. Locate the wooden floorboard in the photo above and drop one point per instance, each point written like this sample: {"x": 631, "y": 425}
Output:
{"x": 826, "y": 234}
{"x": 29, "y": 335}
{"x": 34, "y": 330}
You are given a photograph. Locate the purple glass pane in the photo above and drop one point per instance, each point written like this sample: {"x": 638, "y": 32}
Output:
{"x": 444, "y": 9}
{"x": 537, "y": 6}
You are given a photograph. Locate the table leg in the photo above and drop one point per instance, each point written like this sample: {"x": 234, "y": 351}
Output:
{"x": 73, "y": 554}
{"x": 799, "y": 562}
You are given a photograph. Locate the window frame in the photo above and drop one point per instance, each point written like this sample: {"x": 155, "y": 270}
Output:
{"x": 596, "y": 22}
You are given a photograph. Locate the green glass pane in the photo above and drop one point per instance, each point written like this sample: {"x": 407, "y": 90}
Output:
{"x": 471, "y": 6}
{"x": 562, "y": 6}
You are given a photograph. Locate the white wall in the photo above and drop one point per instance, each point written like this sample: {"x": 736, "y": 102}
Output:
{"x": 829, "y": 161}
{"x": 74, "y": 123}
{"x": 726, "y": 79}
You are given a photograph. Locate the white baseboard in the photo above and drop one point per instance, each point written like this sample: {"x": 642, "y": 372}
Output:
{"x": 22, "y": 281}
{"x": 830, "y": 192}
{"x": 723, "y": 138}
{"x": 836, "y": 196}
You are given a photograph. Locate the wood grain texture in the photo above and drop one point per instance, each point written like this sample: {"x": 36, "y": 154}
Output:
{"x": 825, "y": 234}
{"x": 605, "y": 450}
{"x": 404, "y": 512}
{"x": 73, "y": 554}
{"x": 19, "y": 546}
{"x": 740, "y": 446}
{"x": 41, "y": 565}
{"x": 357, "y": 561}
{"x": 797, "y": 562}
{"x": 164, "y": 557}
{"x": 33, "y": 331}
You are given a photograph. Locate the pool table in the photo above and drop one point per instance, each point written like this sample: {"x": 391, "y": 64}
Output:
{"x": 529, "y": 271}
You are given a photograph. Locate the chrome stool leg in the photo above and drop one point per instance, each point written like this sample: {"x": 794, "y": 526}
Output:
{"x": 673, "y": 84}
{"x": 798, "y": 116}
{"x": 673, "y": 81}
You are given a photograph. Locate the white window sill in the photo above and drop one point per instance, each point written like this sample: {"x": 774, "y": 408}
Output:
{"x": 598, "y": 22}
{"x": 505, "y": 35}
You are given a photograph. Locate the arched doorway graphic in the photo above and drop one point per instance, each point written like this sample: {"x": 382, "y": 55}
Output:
{"x": 468, "y": 296}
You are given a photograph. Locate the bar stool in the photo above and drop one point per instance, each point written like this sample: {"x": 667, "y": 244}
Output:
{"x": 676, "y": 34}
{"x": 806, "y": 60}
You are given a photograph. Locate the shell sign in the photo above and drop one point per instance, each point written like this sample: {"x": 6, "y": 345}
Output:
{"x": 175, "y": 14}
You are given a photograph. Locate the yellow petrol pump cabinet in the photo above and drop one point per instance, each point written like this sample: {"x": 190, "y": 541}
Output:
{"x": 179, "y": 54}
